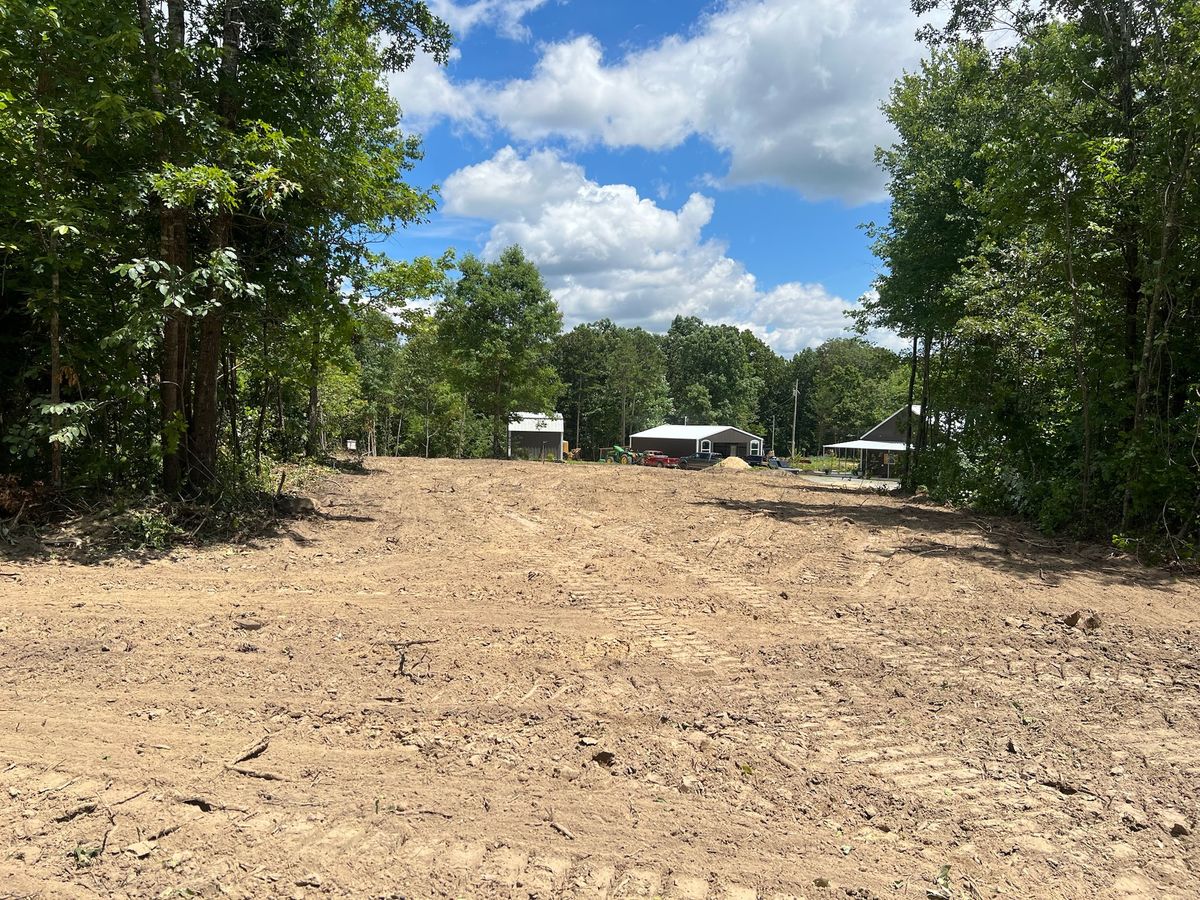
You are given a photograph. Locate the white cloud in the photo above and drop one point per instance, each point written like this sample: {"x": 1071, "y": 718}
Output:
{"x": 789, "y": 89}
{"x": 504, "y": 15}
{"x": 426, "y": 94}
{"x": 606, "y": 251}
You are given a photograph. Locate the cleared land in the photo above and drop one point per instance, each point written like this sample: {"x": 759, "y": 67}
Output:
{"x": 490, "y": 680}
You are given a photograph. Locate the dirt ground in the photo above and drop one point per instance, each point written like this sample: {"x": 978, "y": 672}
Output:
{"x": 481, "y": 679}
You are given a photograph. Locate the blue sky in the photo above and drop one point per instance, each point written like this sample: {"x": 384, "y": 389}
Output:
{"x": 658, "y": 158}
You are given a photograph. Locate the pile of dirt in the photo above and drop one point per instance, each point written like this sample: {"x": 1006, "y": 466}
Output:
{"x": 732, "y": 462}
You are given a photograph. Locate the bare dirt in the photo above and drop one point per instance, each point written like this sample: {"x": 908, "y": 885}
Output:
{"x": 479, "y": 679}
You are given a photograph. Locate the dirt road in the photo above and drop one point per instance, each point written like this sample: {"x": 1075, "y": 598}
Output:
{"x": 479, "y": 679}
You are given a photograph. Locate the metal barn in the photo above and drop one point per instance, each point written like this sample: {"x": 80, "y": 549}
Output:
{"x": 535, "y": 436}
{"x": 682, "y": 440}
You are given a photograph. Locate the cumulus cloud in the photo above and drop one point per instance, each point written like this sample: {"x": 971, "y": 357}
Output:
{"x": 607, "y": 251}
{"x": 789, "y": 89}
{"x": 504, "y": 15}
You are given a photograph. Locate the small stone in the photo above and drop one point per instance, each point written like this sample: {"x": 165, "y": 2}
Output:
{"x": 141, "y": 849}
{"x": 1086, "y": 619}
{"x": 1174, "y": 824}
{"x": 691, "y": 785}
{"x": 570, "y": 773}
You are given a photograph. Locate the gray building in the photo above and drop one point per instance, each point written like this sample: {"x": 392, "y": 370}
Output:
{"x": 682, "y": 440}
{"x": 535, "y": 436}
{"x": 878, "y": 450}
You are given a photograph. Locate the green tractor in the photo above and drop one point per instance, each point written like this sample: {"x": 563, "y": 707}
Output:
{"x": 620, "y": 455}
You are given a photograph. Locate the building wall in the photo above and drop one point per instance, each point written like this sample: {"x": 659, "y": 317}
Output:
{"x": 678, "y": 447}
{"x": 537, "y": 444}
{"x": 894, "y": 428}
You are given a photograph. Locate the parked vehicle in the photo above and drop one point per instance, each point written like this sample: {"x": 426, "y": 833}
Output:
{"x": 618, "y": 454}
{"x": 758, "y": 460}
{"x": 700, "y": 460}
{"x": 782, "y": 465}
{"x": 659, "y": 460}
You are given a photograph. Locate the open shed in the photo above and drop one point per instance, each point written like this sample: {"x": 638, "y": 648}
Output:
{"x": 682, "y": 440}
{"x": 535, "y": 436}
{"x": 878, "y": 450}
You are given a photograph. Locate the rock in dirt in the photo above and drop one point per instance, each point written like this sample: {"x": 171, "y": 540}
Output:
{"x": 1173, "y": 823}
{"x": 295, "y": 506}
{"x": 1084, "y": 619}
{"x": 605, "y": 757}
{"x": 141, "y": 849}
{"x": 691, "y": 785}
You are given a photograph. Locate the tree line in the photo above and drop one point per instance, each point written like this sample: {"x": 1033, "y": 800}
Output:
{"x": 1041, "y": 257}
{"x": 446, "y": 378}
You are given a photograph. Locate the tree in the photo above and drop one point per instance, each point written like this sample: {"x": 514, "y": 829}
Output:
{"x": 497, "y": 326}
{"x": 709, "y": 372}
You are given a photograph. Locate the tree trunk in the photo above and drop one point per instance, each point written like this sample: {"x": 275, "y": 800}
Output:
{"x": 231, "y": 406}
{"x": 312, "y": 447}
{"x": 202, "y": 458}
{"x": 203, "y": 439}
{"x": 908, "y": 436}
{"x": 56, "y": 454}
{"x": 259, "y": 426}
{"x": 173, "y": 374}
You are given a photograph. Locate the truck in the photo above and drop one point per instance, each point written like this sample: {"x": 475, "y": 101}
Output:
{"x": 659, "y": 460}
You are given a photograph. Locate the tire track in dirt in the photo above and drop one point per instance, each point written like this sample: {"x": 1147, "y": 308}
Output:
{"x": 917, "y": 767}
{"x": 544, "y": 873}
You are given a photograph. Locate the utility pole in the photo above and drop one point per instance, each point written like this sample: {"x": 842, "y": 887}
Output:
{"x": 795, "y": 406}
{"x": 772, "y": 432}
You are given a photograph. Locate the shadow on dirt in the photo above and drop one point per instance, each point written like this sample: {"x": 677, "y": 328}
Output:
{"x": 97, "y": 536}
{"x": 927, "y": 530}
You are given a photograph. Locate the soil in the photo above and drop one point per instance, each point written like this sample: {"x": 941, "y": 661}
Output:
{"x": 483, "y": 679}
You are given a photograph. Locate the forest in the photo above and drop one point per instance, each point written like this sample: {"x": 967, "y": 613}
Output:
{"x": 191, "y": 288}
{"x": 1041, "y": 259}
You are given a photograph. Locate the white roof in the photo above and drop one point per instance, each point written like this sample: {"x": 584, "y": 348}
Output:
{"x": 527, "y": 421}
{"x": 868, "y": 445}
{"x": 687, "y": 432}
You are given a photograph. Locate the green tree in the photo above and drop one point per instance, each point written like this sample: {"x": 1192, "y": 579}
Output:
{"x": 710, "y": 374}
{"x": 498, "y": 325}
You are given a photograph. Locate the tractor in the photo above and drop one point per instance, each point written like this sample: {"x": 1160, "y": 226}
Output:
{"x": 620, "y": 455}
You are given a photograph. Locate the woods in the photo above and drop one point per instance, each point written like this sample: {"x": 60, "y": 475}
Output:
{"x": 1041, "y": 257}
{"x": 191, "y": 190}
